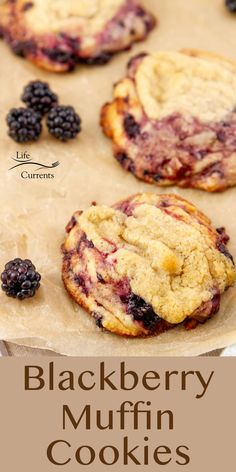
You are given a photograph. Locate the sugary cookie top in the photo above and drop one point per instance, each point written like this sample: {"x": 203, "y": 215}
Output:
{"x": 175, "y": 82}
{"x": 88, "y": 15}
{"x": 167, "y": 252}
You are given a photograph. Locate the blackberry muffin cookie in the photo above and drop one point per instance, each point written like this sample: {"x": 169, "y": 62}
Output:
{"x": 173, "y": 119}
{"x": 146, "y": 264}
{"x": 58, "y": 34}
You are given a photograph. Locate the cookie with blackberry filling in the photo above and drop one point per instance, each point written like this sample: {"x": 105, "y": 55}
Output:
{"x": 146, "y": 265}
{"x": 173, "y": 120}
{"x": 58, "y": 34}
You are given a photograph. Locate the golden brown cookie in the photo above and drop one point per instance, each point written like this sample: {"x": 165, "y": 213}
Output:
{"x": 173, "y": 119}
{"x": 56, "y": 35}
{"x": 147, "y": 264}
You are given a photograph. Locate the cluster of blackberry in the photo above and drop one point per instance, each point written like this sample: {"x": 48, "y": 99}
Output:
{"x": 25, "y": 124}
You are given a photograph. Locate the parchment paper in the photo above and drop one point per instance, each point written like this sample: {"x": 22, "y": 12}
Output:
{"x": 33, "y": 213}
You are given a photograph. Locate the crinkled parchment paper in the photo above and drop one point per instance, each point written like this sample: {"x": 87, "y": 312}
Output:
{"x": 33, "y": 213}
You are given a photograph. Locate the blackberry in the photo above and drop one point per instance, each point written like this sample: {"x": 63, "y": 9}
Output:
{"x": 223, "y": 249}
{"x": 132, "y": 128}
{"x": 68, "y": 58}
{"x": 143, "y": 312}
{"x": 39, "y": 97}
{"x": 20, "y": 279}
{"x": 100, "y": 60}
{"x": 63, "y": 122}
{"x": 24, "y": 125}
{"x": 231, "y": 5}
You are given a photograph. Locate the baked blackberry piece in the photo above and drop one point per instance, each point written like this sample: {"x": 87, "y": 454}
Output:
{"x": 146, "y": 265}
{"x": 56, "y": 35}
{"x": 173, "y": 120}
